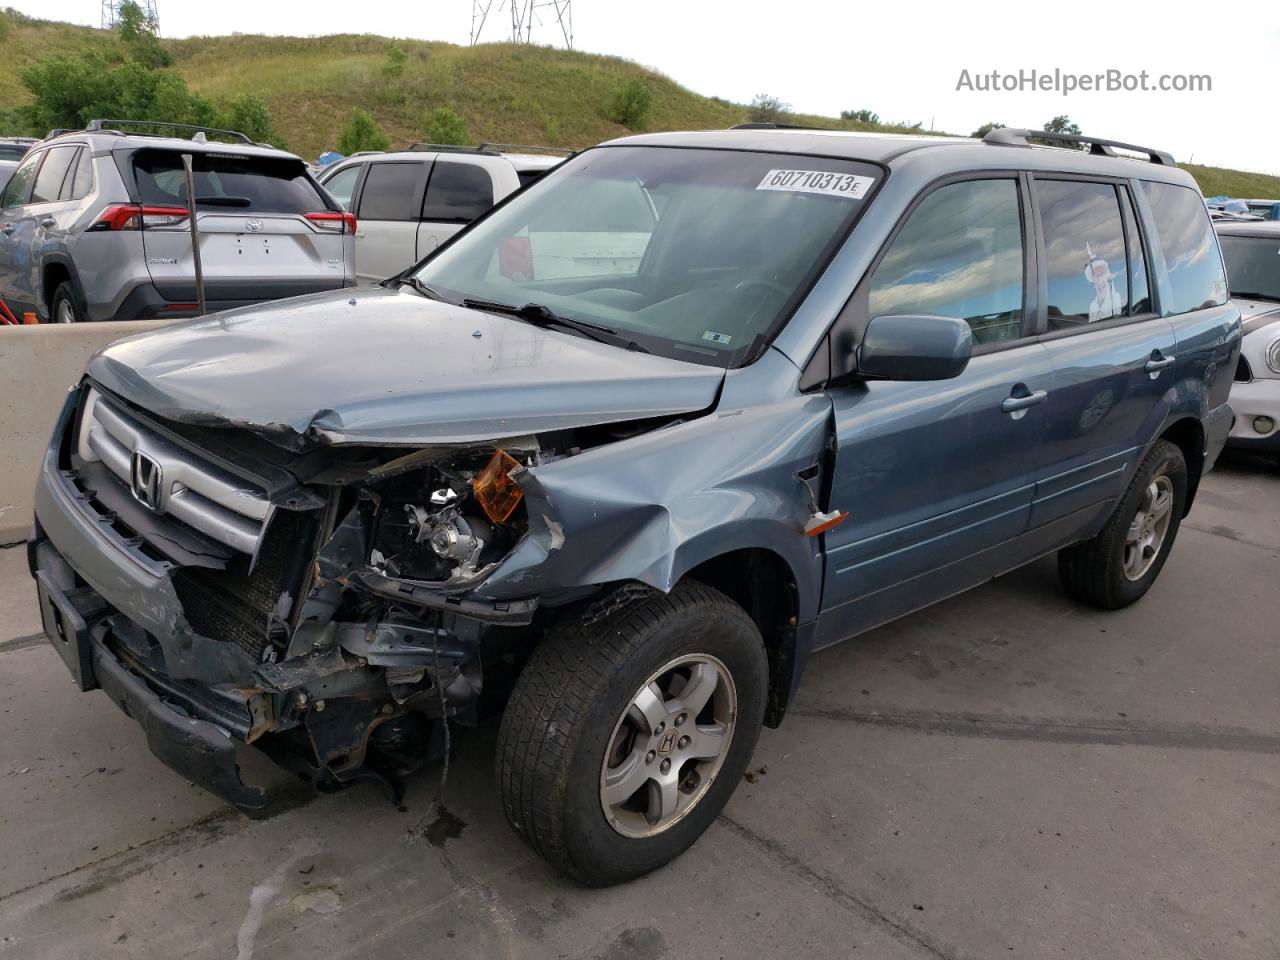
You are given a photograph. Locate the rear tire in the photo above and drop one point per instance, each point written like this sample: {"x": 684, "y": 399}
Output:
{"x": 1120, "y": 564}
{"x": 63, "y": 307}
{"x": 587, "y": 775}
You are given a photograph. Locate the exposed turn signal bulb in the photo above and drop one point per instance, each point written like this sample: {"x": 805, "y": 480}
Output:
{"x": 496, "y": 492}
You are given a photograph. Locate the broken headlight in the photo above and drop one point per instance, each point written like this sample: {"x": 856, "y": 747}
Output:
{"x": 450, "y": 521}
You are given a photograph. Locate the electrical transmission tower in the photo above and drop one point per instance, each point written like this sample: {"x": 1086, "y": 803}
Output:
{"x": 523, "y": 16}
{"x": 111, "y": 13}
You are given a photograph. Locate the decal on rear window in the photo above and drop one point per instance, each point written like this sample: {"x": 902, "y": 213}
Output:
{"x": 828, "y": 184}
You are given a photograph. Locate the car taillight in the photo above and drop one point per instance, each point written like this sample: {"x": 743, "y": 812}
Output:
{"x": 334, "y": 222}
{"x": 131, "y": 216}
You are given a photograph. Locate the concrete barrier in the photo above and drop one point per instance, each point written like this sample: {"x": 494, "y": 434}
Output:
{"x": 37, "y": 366}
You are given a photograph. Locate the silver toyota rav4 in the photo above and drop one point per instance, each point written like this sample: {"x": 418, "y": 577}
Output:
{"x": 94, "y": 225}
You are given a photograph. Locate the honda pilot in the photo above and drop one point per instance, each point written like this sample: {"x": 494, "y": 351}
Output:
{"x": 95, "y": 225}
{"x": 836, "y": 378}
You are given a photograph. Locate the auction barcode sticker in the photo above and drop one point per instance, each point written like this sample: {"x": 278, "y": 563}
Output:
{"x": 817, "y": 181}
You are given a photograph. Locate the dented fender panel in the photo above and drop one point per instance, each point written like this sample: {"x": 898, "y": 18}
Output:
{"x": 653, "y": 507}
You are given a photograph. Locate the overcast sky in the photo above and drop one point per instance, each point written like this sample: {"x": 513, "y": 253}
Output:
{"x": 902, "y": 60}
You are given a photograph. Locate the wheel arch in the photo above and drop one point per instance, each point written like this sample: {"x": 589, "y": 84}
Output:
{"x": 1187, "y": 434}
{"x": 58, "y": 269}
{"x": 762, "y": 582}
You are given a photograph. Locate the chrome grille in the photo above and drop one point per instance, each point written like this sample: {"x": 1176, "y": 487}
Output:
{"x": 200, "y": 494}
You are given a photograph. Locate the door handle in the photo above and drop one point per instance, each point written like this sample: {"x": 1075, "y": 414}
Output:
{"x": 1018, "y": 404}
{"x": 48, "y": 222}
{"x": 1155, "y": 366}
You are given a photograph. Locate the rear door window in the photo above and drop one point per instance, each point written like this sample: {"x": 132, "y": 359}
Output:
{"x": 1085, "y": 252}
{"x": 1185, "y": 238}
{"x": 393, "y": 191}
{"x": 959, "y": 255}
{"x": 227, "y": 182}
{"x": 53, "y": 171}
{"x": 343, "y": 184}
{"x": 16, "y": 190}
{"x": 457, "y": 193}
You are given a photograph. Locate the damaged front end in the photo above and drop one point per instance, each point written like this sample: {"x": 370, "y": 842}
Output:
{"x": 318, "y": 606}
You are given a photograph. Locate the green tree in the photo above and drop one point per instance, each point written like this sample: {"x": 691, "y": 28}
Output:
{"x": 766, "y": 108}
{"x": 986, "y": 128}
{"x": 1062, "y": 124}
{"x": 68, "y": 92}
{"x": 445, "y": 126}
{"x": 137, "y": 30}
{"x": 250, "y": 116}
{"x": 393, "y": 69}
{"x": 361, "y": 133}
{"x": 630, "y": 104}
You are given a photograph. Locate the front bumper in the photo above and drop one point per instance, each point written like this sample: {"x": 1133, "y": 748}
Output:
{"x": 1257, "y": 398}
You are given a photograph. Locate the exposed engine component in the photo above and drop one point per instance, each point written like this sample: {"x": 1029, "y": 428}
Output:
{"x": 452, "y": 536}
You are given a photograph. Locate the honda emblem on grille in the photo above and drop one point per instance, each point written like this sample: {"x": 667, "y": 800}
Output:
{"x": 253, "y": 226}
{"x": 147, "y": 479}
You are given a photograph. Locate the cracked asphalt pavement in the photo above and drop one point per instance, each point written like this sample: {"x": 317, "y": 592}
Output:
{"x": 1007, "y": 774}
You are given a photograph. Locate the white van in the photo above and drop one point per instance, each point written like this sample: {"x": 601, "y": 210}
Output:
{"x": 409, "y": 202}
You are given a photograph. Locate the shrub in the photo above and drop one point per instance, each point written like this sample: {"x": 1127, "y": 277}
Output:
{"x": 630, "y": 104}
{"x": 445, "y": 126}
{"x": 361, "y": 133}
{"x": 861, "y": 116}
{"x": 250, "y": 115}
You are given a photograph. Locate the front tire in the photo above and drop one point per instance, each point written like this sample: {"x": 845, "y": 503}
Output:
{"x": 63, "y": 308}
{"x": 625, "y": 737}
{"x": 1119, "y": 565}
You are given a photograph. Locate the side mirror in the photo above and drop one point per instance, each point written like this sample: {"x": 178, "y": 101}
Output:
{"x": 915, "y": 348}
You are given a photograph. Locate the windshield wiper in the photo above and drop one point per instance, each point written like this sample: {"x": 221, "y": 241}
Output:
{"x": 1250, "y": 295}
{"x": 431, "y": 293}
{"x": 541, "y": 315}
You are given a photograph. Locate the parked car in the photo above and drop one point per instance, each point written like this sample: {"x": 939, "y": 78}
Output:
{"x": 1266, "y": 209}
{"x": 850, "y": 376}
{"x": 411, "y": 201}
{"x": 1252, "y": 253}
{"x": 15, "y": 148}
{"x": 94, "y": 226}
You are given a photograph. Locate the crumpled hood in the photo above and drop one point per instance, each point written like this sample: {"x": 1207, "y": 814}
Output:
{"x": 385, "y": 366}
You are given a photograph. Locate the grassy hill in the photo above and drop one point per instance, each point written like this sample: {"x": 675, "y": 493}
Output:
{"x": 507, "y": 93}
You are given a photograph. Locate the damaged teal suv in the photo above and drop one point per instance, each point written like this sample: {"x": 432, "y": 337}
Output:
{"x": 620, "y": 456}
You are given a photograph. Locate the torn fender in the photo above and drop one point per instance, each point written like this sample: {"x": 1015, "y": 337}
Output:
{"x": 653, "y": 507}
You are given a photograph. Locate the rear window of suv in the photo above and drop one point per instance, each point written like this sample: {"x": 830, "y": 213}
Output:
{"x": 227, "y": 181}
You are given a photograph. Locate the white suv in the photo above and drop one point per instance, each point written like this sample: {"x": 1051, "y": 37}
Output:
{"x": 409, "y": 202}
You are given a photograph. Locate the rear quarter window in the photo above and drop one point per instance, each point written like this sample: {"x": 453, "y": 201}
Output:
{"x": 227, "y": 182}
{"x": 1185, "y": 238}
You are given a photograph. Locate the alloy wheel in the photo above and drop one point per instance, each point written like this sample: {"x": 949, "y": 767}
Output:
{"x": 668, "y": 745}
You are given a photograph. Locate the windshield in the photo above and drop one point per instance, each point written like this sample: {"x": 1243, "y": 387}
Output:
{"x": 695, "y": 254}
{"x": 1253, "y": 266}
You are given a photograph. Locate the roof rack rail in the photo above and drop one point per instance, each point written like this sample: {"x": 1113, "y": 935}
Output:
{"x": 515, "y": 147}
{"x": 780, "y": 126}
{"x": 103, "y": 126}
{"x": 1014, "y": 137}
{"x": 449, "y": 148}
